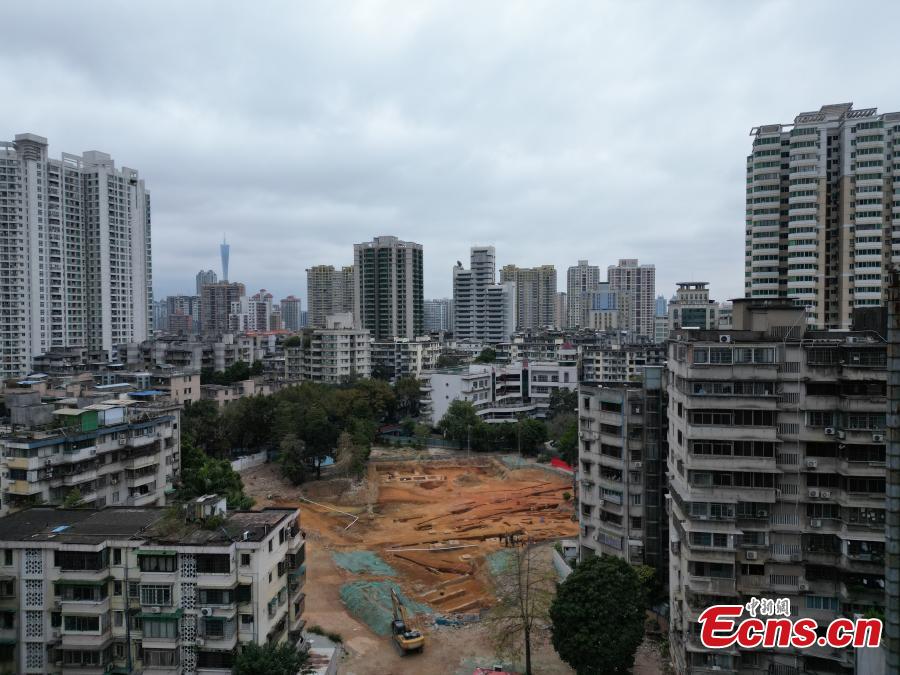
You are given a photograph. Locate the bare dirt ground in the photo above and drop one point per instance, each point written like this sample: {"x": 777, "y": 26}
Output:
{"x": 434, "y": 521}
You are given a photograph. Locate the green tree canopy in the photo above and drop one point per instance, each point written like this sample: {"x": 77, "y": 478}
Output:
{"x": 408, "y": 391}
{"x": 597, "y": 616}
{"x": 487, "y": 355}
{"x": 203, "y": 475}
{"x": 459, "y": 421}
{"x": 270, "y": 659}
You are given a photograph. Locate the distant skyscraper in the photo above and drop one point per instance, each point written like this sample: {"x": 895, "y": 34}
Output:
{"x": 388, "y": 297}
{"x": 183, "y": 305}
{"x": 224, "y": 250}
{"x": 562, "y": 311}
{"x": 328, "y": 291}
{"x": 635, "y": 287}
{"x": 205, "y": 277}
{"x": 76, "y": 261}
{"x": 500, "y": 312}
{"x": 661, "y": 306}
{"x": 215, "y": 306}
{"x": 819, "y": 211}
{"x": 438, "y": 315}
{"x": 290, "y": 313}
{"x": 582, "y": 281}
{"x": 535, "y": 295}
{"x": 469, "y": 293}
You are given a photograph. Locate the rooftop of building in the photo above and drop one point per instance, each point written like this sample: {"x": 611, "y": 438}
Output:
{"x": 151, "y": 524}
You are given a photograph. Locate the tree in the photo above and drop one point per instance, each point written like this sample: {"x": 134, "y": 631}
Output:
{"x": 408, "y": 391}
{"x": 567, "y": 444}
{"x": 654, "y": 593}
{"x": 448, "y": 361}
{"x": 421, "y": 435}
{"x": 271, "y": 659}
{"x": 524, "y": 593}
{"x": 459, "y": 421}
{"x": 562, "y": 401}
{"x": 73, "y": 499}
{"x": 532, "y": 435}
{"x": 293, "y": 341}
{"x": 204, "y": 475}
{"x": 487, "y": 355}
{"x": 291, "y": 459}
{"x": 597, "y": 617}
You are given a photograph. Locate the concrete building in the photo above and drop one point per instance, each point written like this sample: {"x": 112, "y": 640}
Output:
{"x": 331, "y": 355}
{"x": 776, "y": 479}
{"x": 160, "y": 315}
{"x": 635, "y": 288}
{"x": 619, "y": 362}
{"x": 259, "y": 311}
{"x": 387, "y": 282}
{"x": 134, "y": 590}
{"x": 182, "y": 306}
{"x": 582, "y": 284}
{"x": 328, "y": 291}
{"x": 692, "y": 308}
{"x": 561, "y": 312}
{"x": 223, "y": 394}
{"x": 603, "y": 312}
{"x": 822, "y": 187}
{"x": 438, "y": 315}
{"x": 216, "y": 306}
{"x": 205, "y": 278}
{"x": 193, "y": 355}
{"x": 499, "y": 393}
{"x": 290, "y": 313}
{"x": 75, "y": 251}
{"x": 470, "y": 293}
{"x": 622, "y": 470}
{"x": 112, "y": 450}
{"x": 535, "y": 295}
{"x": 401, "y": 357}
{"x": 500, "y": 312}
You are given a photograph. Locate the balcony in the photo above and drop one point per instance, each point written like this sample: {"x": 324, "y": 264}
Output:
{"x": 23, "y": 488}
{"x": 218, "y": 633}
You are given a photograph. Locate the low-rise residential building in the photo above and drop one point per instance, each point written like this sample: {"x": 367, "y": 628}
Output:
{"x": 139, "y": 589}
{"x": 331, "y": 355}
{"x": 223, "y": 394}
{"x": 499, "y": 393}
{"x": 618, "y": 362}
{"x": 776, "y": 478}
{"x": 622, "y": 470}
{"x": 402, "y": 357}
{"x": 216, "y": 353}
{"x": 116, "y": 451}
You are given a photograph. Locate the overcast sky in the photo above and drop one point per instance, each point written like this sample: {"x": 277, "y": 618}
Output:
{"x": 555, "y": 131}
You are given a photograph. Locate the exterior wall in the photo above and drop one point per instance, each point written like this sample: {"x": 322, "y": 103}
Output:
{"x": 132, "y": 458}
{"x": 822, "y": 186}
{"x": 535, "y": 295}
{"x": 82, "y": 241}
{"x": 777, "y": 472}
{"x": 635, "y": 289}
{"x": 270, "y": 572}
{"x": 388, "y": 300}
{"x": 582, "y": 282}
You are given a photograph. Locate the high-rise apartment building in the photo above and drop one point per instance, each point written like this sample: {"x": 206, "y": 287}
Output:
{"x": 535, "y": 295}
{"x": 561, "y": 312}
{"x": 635, "y": 288}
{"x": 290, "y": 313}
{"x": 776, "y": 479}
{"x": 622, "y": 470}
{"x": 216, "y": 306}
{"x": 438, "y": 315}
{"x": 470, "y": 290}
{"x": 387, "y": 280}
{"x": 582, "y": 284}
{"x": 328, "y": 291}
{"x": 136, "y": 590}
{"x": 335, "y": 354}
{"x": 820, "y": 211}
{"x": 75, "y": 254}
{"x": 205, "y": 277}
{"x": 499, "y": 313}
{"x": 183, "y": 306}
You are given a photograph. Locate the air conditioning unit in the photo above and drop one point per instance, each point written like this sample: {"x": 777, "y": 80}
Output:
{"x": 155, "y": 610}
{"x": 762, "y": 514}
{"x": 750, "y": 555}
{"x": 815, "y": 522}
{"x": 841, "y": 434}
{"x": 48, "y": 462}
{"x": 93, "y": 451}
{"x": 814, "y": 493}
{"x": 812, "y": 463}
{"x": 206, "y": 611}
{"x": 122, "y": 440}
{"x": 638, "y": 465}
{"x": 826, "y": 494}
{"x": 724, "y": 338}
{"x": 54, "y": 634}
{"x": 804, "y": 586}
{"x": 200, "y": 642}
{"x": 878, "y": 438}
{"x": 829, "y": 431}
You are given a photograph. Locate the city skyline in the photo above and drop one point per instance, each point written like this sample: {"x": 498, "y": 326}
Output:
{"x": 609, "y": 134}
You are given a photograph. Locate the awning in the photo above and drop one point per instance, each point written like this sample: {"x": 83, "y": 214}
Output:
{"x": 160, "y": 552}
{"x": 163, "y": 616}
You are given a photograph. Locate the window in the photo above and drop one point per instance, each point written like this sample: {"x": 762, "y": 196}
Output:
{"x": 8, "y": 557}
{"x": 246, "y": 619}
{"x": 81, "y": 624}
{"x": 216, "y": 596}
{"x": 117, "y": 588}
{"x": 134, "y": 589}
{"x": 118, "y": 619}
{"x": 245, "y": 559}
{"x": 160, "y": 628}
{"x": 82, "y": 560}
{"x": 153, "y": 594}
{"x": 117, "y": 556}
{"x": 159, "y": 658}
{"x": 821, "y": 602}
{"x": 157, "y": 563}
{"x": 214, "y": 563}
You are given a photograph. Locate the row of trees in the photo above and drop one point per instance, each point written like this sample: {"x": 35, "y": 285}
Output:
{"x": 462, "y": 424}
{"x": 237, "y": 372}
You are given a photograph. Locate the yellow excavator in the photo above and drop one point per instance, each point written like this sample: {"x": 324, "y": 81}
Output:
{"x": 408, "y": 638}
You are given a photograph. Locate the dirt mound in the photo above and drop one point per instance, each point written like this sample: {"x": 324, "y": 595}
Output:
{"x": 468, "y": 480}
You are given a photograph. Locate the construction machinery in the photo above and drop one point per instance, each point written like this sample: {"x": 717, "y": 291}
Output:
{"x": 406, "y": 635}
